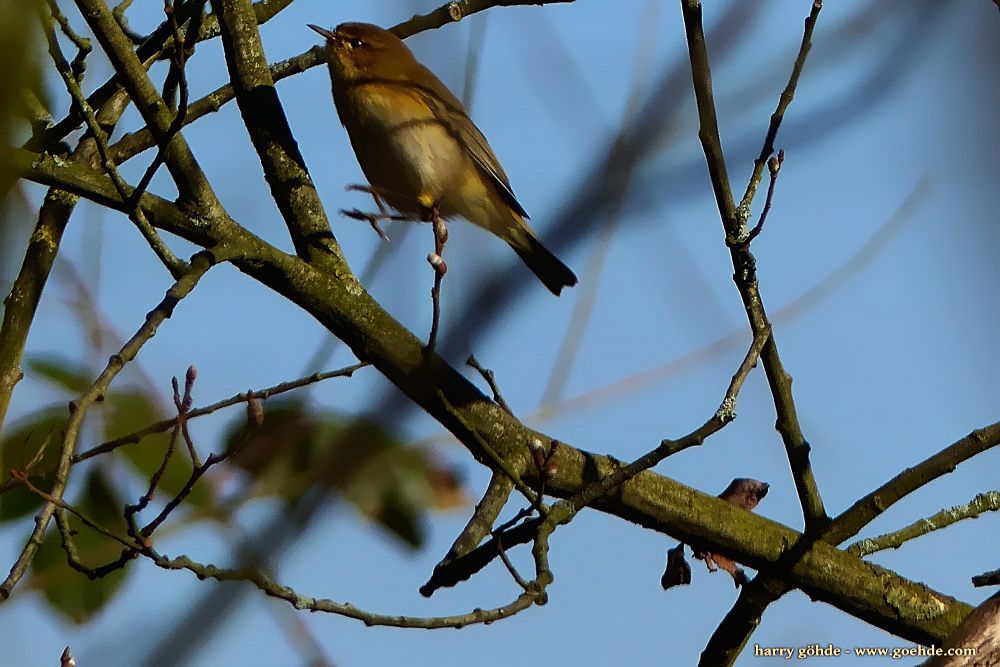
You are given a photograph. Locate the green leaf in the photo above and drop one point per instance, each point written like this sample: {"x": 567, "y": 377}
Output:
{"x": 20, "y": 77}
{"x": 69, "y": 592}
{"x": 279, "y": 454}
{"x": 129, "y": 410}
{"x": 68, "y": 374}
{"x": 34, "y": 441}
{"x": 392, "y": 484}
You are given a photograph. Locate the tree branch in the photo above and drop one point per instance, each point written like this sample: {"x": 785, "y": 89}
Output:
{"x": 180, "y": 161}
{"x": 744, "y": 266}
{"x": 200, "y": 265}
{"x": 984, "y": 502}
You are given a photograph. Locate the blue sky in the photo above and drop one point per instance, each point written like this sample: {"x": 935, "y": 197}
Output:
{"x": 897, "y": 361}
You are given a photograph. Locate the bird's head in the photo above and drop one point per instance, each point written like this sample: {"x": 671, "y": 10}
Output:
{"x": 365, "y": 51}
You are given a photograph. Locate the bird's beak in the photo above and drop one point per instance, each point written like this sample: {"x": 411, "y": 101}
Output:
{"x": 328, "y": 34}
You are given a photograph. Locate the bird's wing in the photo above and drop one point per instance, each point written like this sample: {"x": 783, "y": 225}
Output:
{"x": 450, "y": 112}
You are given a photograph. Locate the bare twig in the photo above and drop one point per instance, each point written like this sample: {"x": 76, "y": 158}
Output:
{"x": 723, "y": 416}
{"x": 452, "y": 12}
{"x": 83, "y": 45}
{"x": 779, "y": 113}
{"x": 437, "y": 263}
{"x": 491, "y": 381}
{"x": 260, "y": 394}
{"x": 200, "y": 265}
{"x": 984, "y": 502}
{"x": 773, "y": 166}
{"x": 744, "y": 264}
{"x": 502, "y": 552}
{"x": 183, "y": 405}
{"x": 871, "y": 505}
{"x": 62, "y": 504}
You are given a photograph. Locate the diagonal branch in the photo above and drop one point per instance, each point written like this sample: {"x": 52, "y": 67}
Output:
{"x": 651, "y": 500}
{"x": 984, "y": 502}
{"x": 453, "y": 12}
{"x": 284, "y": 167}
{"x": 173, "y": 264}
{"x": 132, "y": 144}
{"x": 180, "y": 161}
{"x": 869, "y": 507}
{"x": 154, "y": 47}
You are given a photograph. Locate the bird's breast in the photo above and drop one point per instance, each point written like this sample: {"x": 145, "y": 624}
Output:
{"x": 403, "y": 149}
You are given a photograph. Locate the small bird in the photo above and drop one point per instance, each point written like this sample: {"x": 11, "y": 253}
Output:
{"x": 417, "y": 146}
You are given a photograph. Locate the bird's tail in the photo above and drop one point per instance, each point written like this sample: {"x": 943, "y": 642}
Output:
{"x": 549, "y": 269}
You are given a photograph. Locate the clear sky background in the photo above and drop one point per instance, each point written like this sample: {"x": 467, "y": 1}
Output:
{"x": 896, "y": 110}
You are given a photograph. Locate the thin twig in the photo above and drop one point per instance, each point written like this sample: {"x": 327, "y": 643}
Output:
{"x": 491, "y": 381}
{"x": 984, "y": 502}
{"x": 744, "y": 267}
{"x": 873, "y": 504}
{"x": 773, "y": 167}
{"x": 62, "y": 504}
{"x": 83, "y": 45}
{"x": 502, "y": 552}
{"x": 779, "y": 113}
{"x": 183, "y": 405}
{"x": 723, "y": 416}
{"x": 437, "y": 263}
{"x": 260, "y": 394}
{"x": 199, "y": 265}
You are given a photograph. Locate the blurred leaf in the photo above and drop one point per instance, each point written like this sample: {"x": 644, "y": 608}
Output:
{"x": 20, "y": 447}
{"x": 69, "y": 592}
{"x": 389, "y": 482}
{"x": 20, "y": 76}
{"x": 68, "y": 374}
{"x": 278, "y": 455}
{"x": 130, "y": 409}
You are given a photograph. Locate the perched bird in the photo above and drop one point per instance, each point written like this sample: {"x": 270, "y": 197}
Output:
{"x": 418, "y": 147}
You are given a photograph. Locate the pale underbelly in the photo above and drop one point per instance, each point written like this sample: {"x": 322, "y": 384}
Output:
{"x": 417, "y": 165}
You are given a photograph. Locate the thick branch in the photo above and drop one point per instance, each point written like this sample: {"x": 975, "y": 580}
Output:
{"x": 284, "y": 167}
{"x": 339, "y": 303}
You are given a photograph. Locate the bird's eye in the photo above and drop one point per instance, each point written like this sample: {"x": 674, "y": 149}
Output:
{"x": 356, "y": 43}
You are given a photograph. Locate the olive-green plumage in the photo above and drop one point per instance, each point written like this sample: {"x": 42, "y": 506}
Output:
{"x": 418, "y": 147}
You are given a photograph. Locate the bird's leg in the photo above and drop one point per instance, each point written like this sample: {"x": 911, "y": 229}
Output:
{"x": 374, "y": 218}
{"x": 440, "y": 268}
